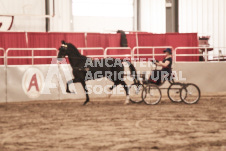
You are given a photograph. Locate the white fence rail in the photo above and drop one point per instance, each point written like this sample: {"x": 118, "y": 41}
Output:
{"x": 29, "y": 57}
{"x": 92, "y": 49}
{"x": 117, "y": 48}
{"x": 132, "y": 53}
{"x": 3, "y": 56}
{"x": 205, "y": 54}
{"x": 153, "y": 54}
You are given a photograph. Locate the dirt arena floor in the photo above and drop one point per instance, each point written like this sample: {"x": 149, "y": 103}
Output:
{"x": 110, "y": 125}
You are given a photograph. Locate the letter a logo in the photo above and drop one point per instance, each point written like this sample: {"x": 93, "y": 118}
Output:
{"x": 33, "y": 83}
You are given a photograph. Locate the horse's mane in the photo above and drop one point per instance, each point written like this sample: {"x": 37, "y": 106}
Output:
{"x": 71, "y": 46}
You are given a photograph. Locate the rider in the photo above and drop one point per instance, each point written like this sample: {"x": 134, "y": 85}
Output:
{"x": 167, "y": 62}
{"x": 166, "y": 68}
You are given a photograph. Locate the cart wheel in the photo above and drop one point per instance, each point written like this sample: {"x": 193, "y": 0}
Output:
{"x": 190, "y": 93}
{"x": 174, "y": 92}
{"x": 135, "y": 93}
{"x": 151, "y": 95}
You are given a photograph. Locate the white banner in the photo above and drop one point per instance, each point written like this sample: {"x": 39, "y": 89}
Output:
{"x": 2, "y": 84}
{"x": 48, "y": 82}
{"x": 26, "y": 82}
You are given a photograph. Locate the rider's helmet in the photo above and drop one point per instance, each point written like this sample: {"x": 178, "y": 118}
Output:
{"x": 168, "y": 50}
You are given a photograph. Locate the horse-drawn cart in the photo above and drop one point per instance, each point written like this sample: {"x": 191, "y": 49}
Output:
{"x": 151, "y": 94}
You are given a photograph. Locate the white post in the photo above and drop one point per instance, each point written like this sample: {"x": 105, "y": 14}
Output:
{"x": 32, "y": 53}
{"x": 206, "y": 55}
{"x": 175, "y": 55}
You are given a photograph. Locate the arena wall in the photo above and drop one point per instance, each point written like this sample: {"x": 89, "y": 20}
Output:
{"x": 210, "y": 77}
{"x": 209, "y": 81}
{"x": 15, "y": 83}
{"x": 52, "y": 89}
{"x": 2, "y": 84}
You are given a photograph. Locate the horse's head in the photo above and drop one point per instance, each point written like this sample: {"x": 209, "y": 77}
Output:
{"x": 67, "y": 49}
{"x": 63, "y": 51}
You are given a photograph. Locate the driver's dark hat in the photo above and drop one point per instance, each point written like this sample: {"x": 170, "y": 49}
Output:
{"x": 168, "y": 50}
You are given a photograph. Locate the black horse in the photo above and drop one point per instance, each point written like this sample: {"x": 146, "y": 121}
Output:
{"x": 85, "y": 68}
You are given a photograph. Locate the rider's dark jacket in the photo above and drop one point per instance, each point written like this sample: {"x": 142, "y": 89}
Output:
{"x": 169, "y": 67}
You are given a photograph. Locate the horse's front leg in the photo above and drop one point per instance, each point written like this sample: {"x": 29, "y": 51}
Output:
{"x": 67, "y": 85}
{"x": 86, "y": 90}
{"x": 84, "y": 86}
{"x": 70, "y": 82}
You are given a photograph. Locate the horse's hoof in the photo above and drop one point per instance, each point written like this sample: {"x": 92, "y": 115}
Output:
{"x": 126, "y": 103}
{"x": 109, "y": 95}
{"x": 68, "y": 91}
{"x": 85, "y": 102}
{"x": 127, "y": 100}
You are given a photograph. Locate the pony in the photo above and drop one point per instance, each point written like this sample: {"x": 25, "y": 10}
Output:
{"x": 84, "y": 69}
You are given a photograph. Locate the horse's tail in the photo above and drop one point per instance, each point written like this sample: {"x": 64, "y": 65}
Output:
{"x": 133, "y": 72}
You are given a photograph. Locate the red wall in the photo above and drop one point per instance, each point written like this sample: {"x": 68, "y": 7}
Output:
{"x": 53, "y": 40}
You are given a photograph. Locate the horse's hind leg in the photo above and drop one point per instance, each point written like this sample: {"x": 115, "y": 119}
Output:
{"x": 86, "y": 90}
{"x": 127, "y": 91}
{"x": 111, "y": 88}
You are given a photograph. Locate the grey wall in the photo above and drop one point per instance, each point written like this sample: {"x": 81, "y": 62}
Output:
{"x": 210, "y": 77}
{"x": 172, "y": 17}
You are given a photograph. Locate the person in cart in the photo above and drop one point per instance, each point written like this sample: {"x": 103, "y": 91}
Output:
{"x": 167, "y": 61}
{"x": 157, "y": 75}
